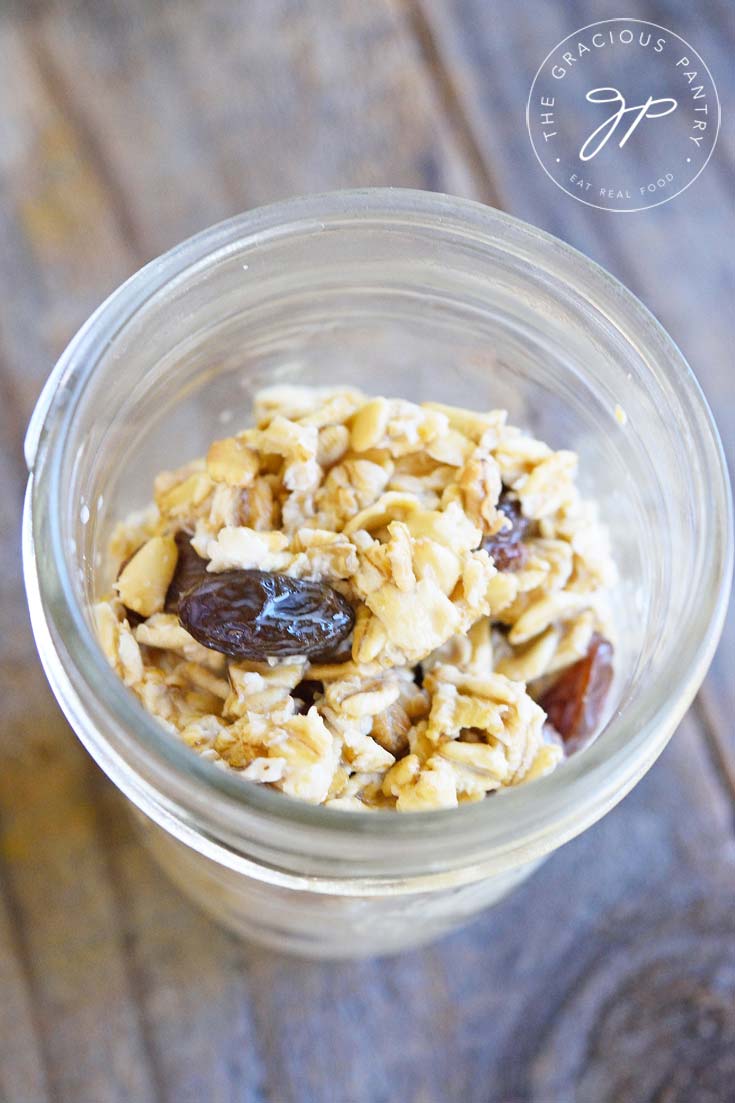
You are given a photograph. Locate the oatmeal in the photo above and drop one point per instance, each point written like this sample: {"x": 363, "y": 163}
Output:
{"x": 368, "y": 603}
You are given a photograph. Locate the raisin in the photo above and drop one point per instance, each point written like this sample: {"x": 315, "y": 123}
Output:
{"x": 306, "y": 693}
{"x": 575, "y": 701}
{"x": 190, "y": 570}
{"x": 335, "y": 654}
{"x": 260, "y": 615}
{"x": 506, "y": 547}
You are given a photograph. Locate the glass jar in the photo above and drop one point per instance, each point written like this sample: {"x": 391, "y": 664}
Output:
{"x": 427, "y": 297}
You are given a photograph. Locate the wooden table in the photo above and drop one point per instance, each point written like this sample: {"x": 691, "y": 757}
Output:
{"x": 610, "y": 977}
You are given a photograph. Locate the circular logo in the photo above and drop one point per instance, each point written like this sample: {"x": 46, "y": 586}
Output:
{"x": 623, "y": 115}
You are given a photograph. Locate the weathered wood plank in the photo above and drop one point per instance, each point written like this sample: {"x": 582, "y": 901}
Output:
{"x": 23, "y": 1065}
{"x": 62, "y": 908}
{"x": 194, "y": 1002}
{"x": 62, "y": 245}
{"x": 199, "y": 111}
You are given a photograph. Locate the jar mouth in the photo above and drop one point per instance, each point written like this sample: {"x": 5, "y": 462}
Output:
{"x": 90, "y": 692}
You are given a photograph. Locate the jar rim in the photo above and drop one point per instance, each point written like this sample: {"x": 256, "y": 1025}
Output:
{"x": 561, "y": 804}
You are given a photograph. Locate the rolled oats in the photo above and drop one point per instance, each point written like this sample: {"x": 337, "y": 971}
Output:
{"x": 396, "y": 506}
{"x": 245, "y": 549}
{"x": 183, "y": 497}
{"x": 421, "y": 788}
{"x": 231, "y": 461}
{"x": 390, "y": 729}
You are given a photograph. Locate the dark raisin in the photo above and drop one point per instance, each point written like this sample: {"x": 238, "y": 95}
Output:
{"x": 574, "y": 702}
{"x": 306, "y": 693}
{"x": 418, "y": 675}
{"x": 334, "y": 654}
{"x": 259, "y": 615}
{"x": 506, "y": 547}
{"x": 190, "y": 570}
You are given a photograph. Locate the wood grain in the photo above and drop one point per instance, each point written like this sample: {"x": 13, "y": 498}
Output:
{"x": 226, "y": 112}
{"x": 123, "y": 128}
{"x": 23, "y": 1072}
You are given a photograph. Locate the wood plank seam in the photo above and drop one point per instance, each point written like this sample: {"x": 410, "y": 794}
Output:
{"x": 62, "y": 96}
{"x": 126, "y": 939}
{"x": 13, "y": 429}
{"x": 722, "y": 761}
{"x": 125, "y": 935}
{"x": 450, "y": 102}
{"x": 24, "y": 957}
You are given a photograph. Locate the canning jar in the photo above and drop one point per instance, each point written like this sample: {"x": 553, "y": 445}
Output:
{"x": 403, "y": 293}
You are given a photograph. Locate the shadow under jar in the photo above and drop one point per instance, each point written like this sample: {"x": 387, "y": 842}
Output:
{"x": 402, "y": 293}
